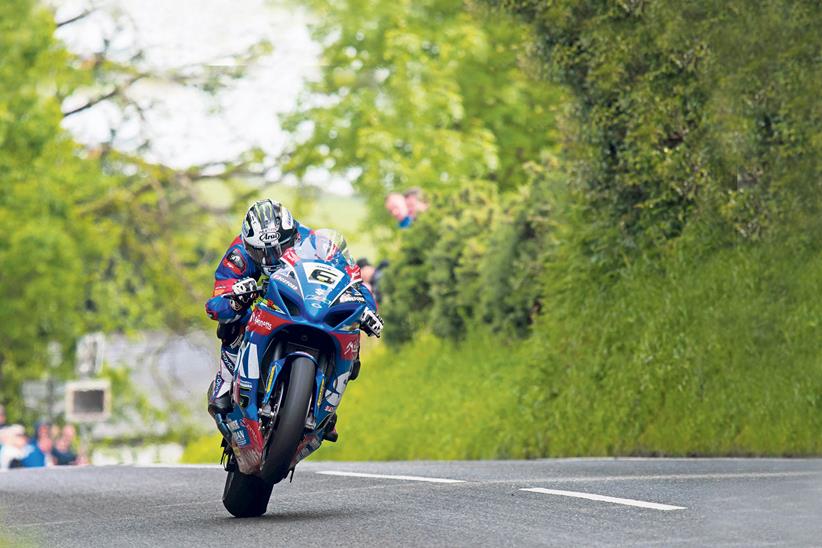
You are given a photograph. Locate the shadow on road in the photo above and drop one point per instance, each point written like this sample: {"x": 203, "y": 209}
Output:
{"x": 291, "y": 516}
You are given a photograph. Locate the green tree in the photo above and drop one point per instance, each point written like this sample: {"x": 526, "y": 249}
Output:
{"x": 89, "y": 239}
{"x": 687, "y": 110}
{"x": 421, "y": 94}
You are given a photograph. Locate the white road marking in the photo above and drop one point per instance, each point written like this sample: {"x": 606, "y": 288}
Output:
{"x": 662, "y": 477}
{"x": 603, "y": 498}
{"x": 388, "y": 476}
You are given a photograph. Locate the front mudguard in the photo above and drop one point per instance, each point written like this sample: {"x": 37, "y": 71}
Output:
{"x": 283, "y": 364}
{"x": 247, "y": 447}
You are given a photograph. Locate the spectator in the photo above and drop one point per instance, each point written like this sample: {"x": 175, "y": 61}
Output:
{"x": 396, "y": 205}
{"x": 14, "y": 447}
{"x": 62, "y": 452}
{"x": 415, "y": 202}
{"x": 41, "y": 446}
{"x": 372, "y": 275}
{"x": 367, "y": 272}
{"x": 2, "y": 417}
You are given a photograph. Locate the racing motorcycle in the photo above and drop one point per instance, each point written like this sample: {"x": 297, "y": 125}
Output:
{"x": 302, "y": 345}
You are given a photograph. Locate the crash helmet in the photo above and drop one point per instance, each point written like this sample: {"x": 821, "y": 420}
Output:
{"x": 268, "y": 230}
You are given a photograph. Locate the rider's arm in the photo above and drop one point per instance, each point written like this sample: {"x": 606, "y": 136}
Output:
{"x": 234, "y": 266}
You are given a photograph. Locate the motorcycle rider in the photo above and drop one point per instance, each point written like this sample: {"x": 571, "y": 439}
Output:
{"x": 268, "y": 230}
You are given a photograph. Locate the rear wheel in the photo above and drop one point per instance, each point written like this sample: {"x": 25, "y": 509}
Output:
{"x": 246, "y": 496}
{"x": 290, "y": 427}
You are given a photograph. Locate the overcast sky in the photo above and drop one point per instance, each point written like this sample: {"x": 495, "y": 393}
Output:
{"x": 186, "y": 128}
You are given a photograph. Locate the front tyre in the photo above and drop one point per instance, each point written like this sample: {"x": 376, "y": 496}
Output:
{"x": 246, "y": 496}
{"x": 284, "y": 440}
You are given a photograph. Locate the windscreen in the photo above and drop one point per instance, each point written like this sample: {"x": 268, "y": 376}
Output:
{"x": 326, "y": 245}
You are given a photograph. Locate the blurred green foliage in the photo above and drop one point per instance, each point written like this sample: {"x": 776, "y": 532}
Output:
{"x": 421, "y": 94}
{"x": 688, "y": 110}
{"x": 677, "y": 357}
{"x": 648, "y": 290}
{"x": 89, "y": 239}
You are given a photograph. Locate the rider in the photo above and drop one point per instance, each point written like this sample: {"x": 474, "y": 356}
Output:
{"x": 267, "y": 231}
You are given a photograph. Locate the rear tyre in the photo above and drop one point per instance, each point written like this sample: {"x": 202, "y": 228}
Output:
{"x": 284, "y": 440}
{"x": 246, "y": 496}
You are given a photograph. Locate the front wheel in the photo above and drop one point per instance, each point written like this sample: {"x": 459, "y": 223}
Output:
{"x": 246, "y": 496}
{"x": 283, "y": 441}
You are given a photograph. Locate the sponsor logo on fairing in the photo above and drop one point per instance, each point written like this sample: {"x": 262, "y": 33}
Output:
{"x": 349, "y": 297}
{"x": 256, "y": 320}
{"x": 288, "y": 281}
{"x": 238, "y": 433}
{"x": 354, "y": 272}
{"x": 349, "y": 344}
{"x": 263, "y": 322}
{"x": 290, "y": 256}
{"x": 352, "y": 348}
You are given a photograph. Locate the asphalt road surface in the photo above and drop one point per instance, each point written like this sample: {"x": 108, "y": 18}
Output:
{"x": 568, "y": 502}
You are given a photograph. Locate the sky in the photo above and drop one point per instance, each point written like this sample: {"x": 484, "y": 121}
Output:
{"x": 186, "y": 126}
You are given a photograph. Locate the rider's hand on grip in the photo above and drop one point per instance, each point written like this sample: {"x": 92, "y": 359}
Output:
{"x": 371, "y": 323}
{"x": 244, "y": 291}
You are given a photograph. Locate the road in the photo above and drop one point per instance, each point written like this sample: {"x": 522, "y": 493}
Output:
{"x": 564, "y": 502}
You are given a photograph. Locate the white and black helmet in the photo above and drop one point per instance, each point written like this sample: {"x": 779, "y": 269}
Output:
{"x": 268, "y": 230}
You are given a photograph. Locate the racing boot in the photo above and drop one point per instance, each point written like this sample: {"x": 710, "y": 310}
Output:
{"x": 355, "y": 369}
{"x": 330, "y": 432}
{"x": 219, "y": 395}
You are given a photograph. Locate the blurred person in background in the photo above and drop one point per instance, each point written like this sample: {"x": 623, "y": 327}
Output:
{"x": 14, "y": 447}
{"x": 40, "y": 447}
{"x": 371, "y": 276}
{"x": 62, "y": 452}
{"x": 398, "y": 208}
{"x": 367, "y": 272}
{"x": 3, "y": 426}
{"x": 414, "y": 202}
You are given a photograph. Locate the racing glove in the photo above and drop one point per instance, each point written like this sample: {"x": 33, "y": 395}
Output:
{"x": 371, "y": 323}
{"x": 242, "y": 293}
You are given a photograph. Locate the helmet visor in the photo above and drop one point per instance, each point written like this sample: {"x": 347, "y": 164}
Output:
{"x": 266, "y": 256}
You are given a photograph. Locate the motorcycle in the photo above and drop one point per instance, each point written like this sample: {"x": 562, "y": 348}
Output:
{"x": 300, "y": 348}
